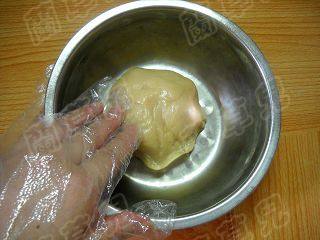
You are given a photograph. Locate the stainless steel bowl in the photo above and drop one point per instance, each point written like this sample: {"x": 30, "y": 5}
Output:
{"x": 236, "y": 89}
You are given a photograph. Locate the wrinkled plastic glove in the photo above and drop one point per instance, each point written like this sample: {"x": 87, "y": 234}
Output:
{"x": 53, "y": 178}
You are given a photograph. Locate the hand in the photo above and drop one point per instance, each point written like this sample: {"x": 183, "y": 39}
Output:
{"x": 52, "y": 179}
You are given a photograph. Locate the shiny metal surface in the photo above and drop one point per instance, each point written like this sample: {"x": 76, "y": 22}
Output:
{"x": 236, "y": 90}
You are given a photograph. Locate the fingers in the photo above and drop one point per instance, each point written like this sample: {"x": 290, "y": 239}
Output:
{"x": 103, "y": 127}
{"x": 67, "y": 124}
{"x": 127, "y": 226}
{"x": 41, "y": 135}
{"x": 110, "y": 162}
{"x": 83, "y": 114}
{"x": 73, "y": 120}
{"x": 130, "y": 224}
{"x": 92, "y": 137}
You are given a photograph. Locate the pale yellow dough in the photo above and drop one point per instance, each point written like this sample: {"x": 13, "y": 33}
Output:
{"x": 165, "y": 106}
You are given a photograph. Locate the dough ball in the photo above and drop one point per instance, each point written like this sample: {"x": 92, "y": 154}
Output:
{"x": 165, "y": 106}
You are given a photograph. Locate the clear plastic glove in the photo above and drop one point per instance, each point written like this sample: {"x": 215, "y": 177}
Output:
{"x": 54, "y": 177}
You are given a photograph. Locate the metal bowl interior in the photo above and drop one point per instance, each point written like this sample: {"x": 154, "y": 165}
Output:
{"x": 235, "y": 86}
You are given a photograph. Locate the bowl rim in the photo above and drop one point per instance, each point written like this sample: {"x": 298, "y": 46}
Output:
{"x": 261, "y": 168}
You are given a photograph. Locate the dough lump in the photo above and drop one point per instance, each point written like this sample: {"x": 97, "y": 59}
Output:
{"x": 165, "y": 106}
